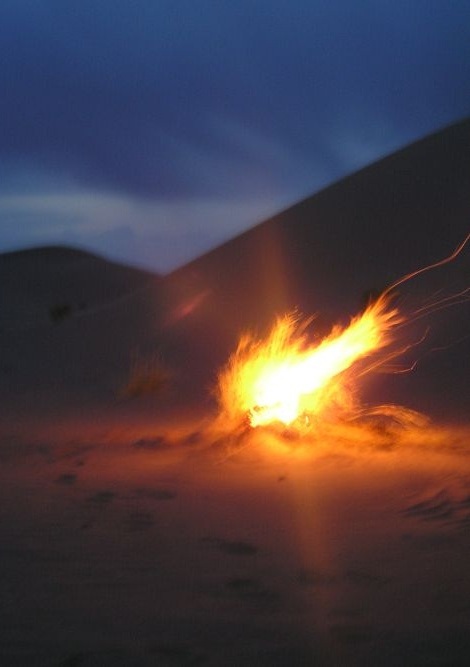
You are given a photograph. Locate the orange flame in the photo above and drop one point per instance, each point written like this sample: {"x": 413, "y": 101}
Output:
{"x": 283, "y": 379}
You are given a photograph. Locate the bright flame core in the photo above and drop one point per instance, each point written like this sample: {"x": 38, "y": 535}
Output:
{"x": 283, "y": 379}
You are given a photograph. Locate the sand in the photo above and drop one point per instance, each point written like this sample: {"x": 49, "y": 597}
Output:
{"x": 187, "y": 547}
{"x": 133, "y": 532}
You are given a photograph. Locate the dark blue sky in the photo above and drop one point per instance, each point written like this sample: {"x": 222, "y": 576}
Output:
{"x": 152, "y": 130}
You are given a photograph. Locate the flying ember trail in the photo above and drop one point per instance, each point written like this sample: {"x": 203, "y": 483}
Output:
{"x": 284, "y": 379}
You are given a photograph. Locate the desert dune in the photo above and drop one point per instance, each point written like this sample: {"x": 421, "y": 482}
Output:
{"x": 137, "y": 529}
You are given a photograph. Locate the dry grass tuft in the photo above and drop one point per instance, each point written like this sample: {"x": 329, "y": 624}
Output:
{"x": 147, "y": 375}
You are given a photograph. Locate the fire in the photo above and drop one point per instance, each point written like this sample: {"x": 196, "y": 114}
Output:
{"x": 285, "y": 379}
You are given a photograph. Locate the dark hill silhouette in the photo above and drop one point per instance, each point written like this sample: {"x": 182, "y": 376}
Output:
{"x": 39, "y": 283}
{"x": 69, "y": 324}
{"x": 323, "y": 254}
{"x": 38, "y": 278}
{"x": 71, "y": 321}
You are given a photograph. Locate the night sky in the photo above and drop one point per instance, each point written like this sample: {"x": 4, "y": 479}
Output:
{"x": 150, "y": 131}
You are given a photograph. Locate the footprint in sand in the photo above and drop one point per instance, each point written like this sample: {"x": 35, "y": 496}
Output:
{"x": 137, "y": 521}
{"x": 101, "y": 498}
{"x": 67, "y": 479}
{"x": 154, "y": 494}
{"x": 253, "y": 592}
{"x": 152, "y": 444}
{"x": 232, "y": 548}
{"x": 437, "y": 508}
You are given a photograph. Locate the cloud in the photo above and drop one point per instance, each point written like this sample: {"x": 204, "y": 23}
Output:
{"x": 115, "y": 94}
{"x": 42, "y": 206}
{"x": 195, "y": 113}
{"x": 157, "y": 235}
{"x": 355, "y": 145}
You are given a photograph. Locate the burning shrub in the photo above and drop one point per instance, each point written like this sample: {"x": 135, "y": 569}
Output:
{"x": 284, "y": 379}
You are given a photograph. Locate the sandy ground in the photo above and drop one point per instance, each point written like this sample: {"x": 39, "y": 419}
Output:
{"x": 133, "y": 533}
{"x": 184, "y": 546}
